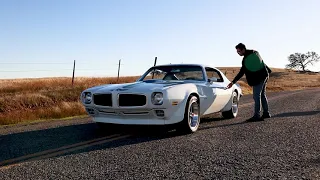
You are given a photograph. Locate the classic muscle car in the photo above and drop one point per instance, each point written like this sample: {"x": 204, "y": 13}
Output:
{"x": 165, "y": 94}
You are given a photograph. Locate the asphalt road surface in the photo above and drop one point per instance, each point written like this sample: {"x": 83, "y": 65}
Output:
{"x": 286, "y": 146}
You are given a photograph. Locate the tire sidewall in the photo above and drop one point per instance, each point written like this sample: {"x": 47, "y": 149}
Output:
{"x": 187, "y": 119}
{"x": 234, "y": 94}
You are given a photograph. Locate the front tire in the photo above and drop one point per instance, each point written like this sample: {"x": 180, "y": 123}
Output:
{"x": 191, "y": 121}
{"x": 233, "y": 112}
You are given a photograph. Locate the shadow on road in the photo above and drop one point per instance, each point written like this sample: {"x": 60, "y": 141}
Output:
{"x": 74, "y": 139}
{"x": 55, "y": 142}
{"x": 302, "y": 113}
{"x": 315, "y": 161}
{"x": 224, "y": 125}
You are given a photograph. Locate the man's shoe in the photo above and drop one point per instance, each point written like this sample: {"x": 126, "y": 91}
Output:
{"x": 265, "y": 116}
{"x": 254, "y": 119}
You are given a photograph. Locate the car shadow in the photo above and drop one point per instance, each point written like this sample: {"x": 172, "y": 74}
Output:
{"x": 212, "y": 117}
{"x": 315, "y": 161}
{"x": 74, "y": 139}
{"x": 60, "y": 141}
{"x": 302, "y": 113}
{"x": 224, "y": 125}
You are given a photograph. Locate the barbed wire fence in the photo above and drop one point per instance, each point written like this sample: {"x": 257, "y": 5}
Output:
{"x": 74, "y": 68}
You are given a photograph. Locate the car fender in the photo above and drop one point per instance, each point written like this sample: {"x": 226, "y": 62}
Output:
{"x": 228, "y": 106}
{"x": 180, "y": 93}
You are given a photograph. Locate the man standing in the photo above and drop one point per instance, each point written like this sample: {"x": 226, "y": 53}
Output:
{"x": 257, "y": 75}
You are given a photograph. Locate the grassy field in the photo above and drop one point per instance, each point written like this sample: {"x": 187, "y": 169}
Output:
{"x": 24, "y": 100}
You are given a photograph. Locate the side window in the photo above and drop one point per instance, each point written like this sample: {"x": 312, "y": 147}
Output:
{"x": 212, "y": 73}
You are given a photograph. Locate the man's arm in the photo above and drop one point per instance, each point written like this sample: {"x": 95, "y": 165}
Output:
{"x": 238, "y": 76}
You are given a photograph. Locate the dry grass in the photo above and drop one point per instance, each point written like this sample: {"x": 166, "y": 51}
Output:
{"x": 25, "y": 100}
{"x": 45, "y": 98}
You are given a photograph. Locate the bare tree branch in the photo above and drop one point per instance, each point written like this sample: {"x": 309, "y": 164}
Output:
{"x": 301, "y": 61}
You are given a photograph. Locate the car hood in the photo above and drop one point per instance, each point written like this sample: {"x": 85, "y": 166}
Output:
{"x": 134, "y": 87}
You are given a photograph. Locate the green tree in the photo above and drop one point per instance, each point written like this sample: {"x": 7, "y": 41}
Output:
{"x": 301, "y": 61}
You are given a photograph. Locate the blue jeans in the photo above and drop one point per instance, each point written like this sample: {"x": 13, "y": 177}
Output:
{"x": 260, "y": 97}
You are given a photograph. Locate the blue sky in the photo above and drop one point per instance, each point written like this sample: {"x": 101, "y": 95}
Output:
{"x": 40, "y": 38}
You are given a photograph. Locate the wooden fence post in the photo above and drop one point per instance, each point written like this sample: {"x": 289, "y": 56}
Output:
{"x": 118, "y": 71}
{"x": 74, "y": 68}
{"x": 155, "y": 62}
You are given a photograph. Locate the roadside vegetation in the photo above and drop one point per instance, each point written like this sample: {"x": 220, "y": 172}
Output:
{"x": 24, "y": 100}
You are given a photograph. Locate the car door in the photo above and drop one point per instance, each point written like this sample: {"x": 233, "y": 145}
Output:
{"x": 217, "y": 85}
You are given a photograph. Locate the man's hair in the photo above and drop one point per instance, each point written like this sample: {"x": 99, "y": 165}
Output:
{"x": 240, "y": 46}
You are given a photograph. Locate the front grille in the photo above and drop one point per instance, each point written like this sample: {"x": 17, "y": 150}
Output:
{"x": 132, "y": 100}
{"x": 102, "y": 99}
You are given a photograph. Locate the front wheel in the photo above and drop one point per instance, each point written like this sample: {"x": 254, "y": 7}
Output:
{"x": 191, "y": 121}
{"x": 233, "y": 112}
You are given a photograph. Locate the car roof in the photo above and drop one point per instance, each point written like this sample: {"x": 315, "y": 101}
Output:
{"x": 201, "y": 65}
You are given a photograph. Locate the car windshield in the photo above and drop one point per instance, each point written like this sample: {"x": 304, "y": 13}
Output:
{"x": 181, "y": 72}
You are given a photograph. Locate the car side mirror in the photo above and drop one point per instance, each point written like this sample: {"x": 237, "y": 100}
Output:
{"x": 213, "y": 79}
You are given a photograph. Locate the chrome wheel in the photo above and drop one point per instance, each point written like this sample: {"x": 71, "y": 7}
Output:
{"x": 193, "y": 115}
{"x": 235, "y": 104}
{"x": 233, "y": 112}
{"x": 191, "y": 121}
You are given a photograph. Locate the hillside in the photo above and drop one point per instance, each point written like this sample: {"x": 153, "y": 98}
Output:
{"x": 25, "y": 100}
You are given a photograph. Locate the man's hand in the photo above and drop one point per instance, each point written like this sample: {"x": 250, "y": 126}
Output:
{"x": 229, "y": 85}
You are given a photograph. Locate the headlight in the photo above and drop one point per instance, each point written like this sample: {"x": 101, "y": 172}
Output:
{"x": 157, "y": 98}
{"x": 87, "y": 97}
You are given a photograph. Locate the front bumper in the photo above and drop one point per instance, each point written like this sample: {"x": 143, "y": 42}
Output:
{"x": 138, "y": 116}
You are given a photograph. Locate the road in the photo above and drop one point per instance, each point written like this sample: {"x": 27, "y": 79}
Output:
{"x": 286, "y": 146}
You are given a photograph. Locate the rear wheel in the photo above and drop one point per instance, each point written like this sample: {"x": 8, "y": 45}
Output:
{"x": 191, "y": 121}
{"x": 233, "y": 112}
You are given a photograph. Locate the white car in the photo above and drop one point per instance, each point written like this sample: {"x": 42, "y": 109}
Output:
{"x": 165, "y": 94}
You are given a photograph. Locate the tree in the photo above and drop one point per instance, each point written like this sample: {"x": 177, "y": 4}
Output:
{"x": 301, "y": 61}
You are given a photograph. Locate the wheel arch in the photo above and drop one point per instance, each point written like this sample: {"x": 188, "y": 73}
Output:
{"x": 188, "y": 98}
{"x": 228, "y": 106}
{"x": 195, "y": 94}
{"x": 236, "y": 90}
